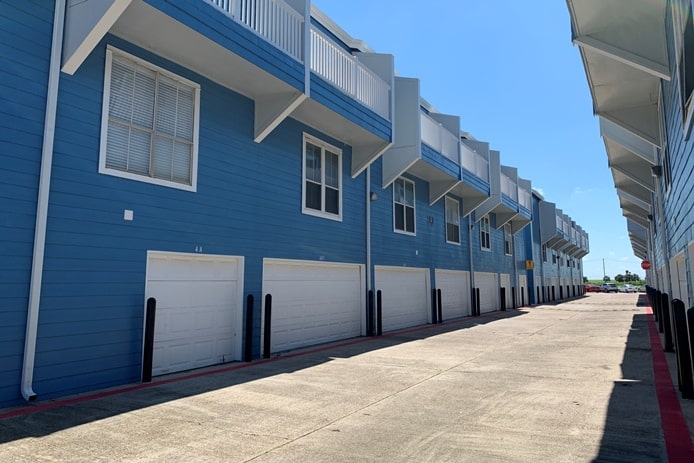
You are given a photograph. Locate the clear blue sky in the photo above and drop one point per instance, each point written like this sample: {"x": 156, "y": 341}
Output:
{"x": 509, "y": 70}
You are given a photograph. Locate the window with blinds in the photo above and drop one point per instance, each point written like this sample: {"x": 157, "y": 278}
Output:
{"x": 149, "y": 123}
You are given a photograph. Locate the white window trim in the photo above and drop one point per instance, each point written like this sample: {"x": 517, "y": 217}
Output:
{"x": 457, "y": 208}
{"x": 324, "y": 146}
{"x": 110, "y": 50}
{"x": 486, "y": 220}
{"x": 414, "y": 206}
{"x": 508, "y": 238}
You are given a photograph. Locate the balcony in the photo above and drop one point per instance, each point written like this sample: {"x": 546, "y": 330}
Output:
{"x": 506, "y": 190}
{"x": 551, "y": 220}
{"x": 273, "y": 20}
{"x": 474, "y": 187}
{"x": 427, "y": 144}
{"x": 261, "y": 49}
{"x": 254, "y": 47}
{"x": 438, "y": 138}
{"x": 347, "y": 73}
{"x": 350, "y": 91}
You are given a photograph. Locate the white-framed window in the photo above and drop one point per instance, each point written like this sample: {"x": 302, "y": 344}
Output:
{"x": 508, "y": 240}
{"x": 149, "y": 123}
{"x": 452, "y": 221}
{"x": 322, "y": 179}
{"x": 404, "y": 206}
{"x": 485, "y": 234}
{"x": 683, "y": 34}
{"x": 544, "y": 253}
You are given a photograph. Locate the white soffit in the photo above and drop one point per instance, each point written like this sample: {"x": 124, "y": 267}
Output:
{"x": 624, "y": 51}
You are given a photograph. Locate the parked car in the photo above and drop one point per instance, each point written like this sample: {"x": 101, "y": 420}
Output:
{"x": 592, "y": 288}
{"x": 627, "y": 288}
{"x": 609, "y": 288}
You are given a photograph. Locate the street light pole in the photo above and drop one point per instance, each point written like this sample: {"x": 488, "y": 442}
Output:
{"x": 603, "y": 269}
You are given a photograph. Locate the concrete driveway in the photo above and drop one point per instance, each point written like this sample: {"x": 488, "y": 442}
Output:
{"x": 572, "y": 382}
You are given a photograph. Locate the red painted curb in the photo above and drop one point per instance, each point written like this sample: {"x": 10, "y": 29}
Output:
{"x": 27, "y": 410}
{"x": 678, "y": 441}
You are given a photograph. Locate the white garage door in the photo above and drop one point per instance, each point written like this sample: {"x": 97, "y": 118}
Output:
{"x": 489, "y": 291}
{"x": 523, "y": 292}
{"x": 313, "y": 302}
{"x": 406, "y": 296}
{"x": 455, "y": 292}
{"x": 505, "y": 282}
{"x": 199, "y": 309}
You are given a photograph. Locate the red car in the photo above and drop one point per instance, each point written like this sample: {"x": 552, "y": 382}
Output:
{"x": 592, "y": 288}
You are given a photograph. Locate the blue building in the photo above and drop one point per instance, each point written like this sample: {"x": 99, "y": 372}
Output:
{"x": 198, "y": 152}
{"x": 640, "y": 80}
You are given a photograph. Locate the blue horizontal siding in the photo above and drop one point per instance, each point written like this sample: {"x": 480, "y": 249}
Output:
{"x": 473, "y": 180}
{"x": 428, "y": 248}
{"x": 25, "y": 39}
{"x": 334, "y": 99}
{"x": 248, "y": 202}
{"x": 509, "y": 203}
{"x": 441, "y": 162}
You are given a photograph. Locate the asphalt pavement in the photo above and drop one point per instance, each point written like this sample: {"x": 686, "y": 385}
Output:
{"x": 568, "y": 382}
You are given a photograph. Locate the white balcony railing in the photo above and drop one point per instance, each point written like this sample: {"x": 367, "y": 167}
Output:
{"x": 475, "y": 163}
{"x": 345, "y": 72}
{"x": 509, "y": 187}
{"x": 525, "y": 198}
{"x": 273, "y": 20}
{"x": 439, "y": 138}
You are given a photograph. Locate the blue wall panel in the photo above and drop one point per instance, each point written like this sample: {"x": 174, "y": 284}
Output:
{"x": 679, "y": 197}
{"x": 428, "y": 249}
{"x": 25, "y": 40}
{"x": 248, "y": 203}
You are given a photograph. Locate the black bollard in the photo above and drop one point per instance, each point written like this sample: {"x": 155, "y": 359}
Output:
{"x": 379, "y": 313}
{"x": 268, "y": 326}
{"x": 502, "y": 296}
{"x": 684, "y": 359}
{"x": 148, "y": 348}
{"x": 434, "y": 304}
{"x": 667, "y": 322}
{"x": 370, "y": 314}
{"x": 248, "y": 349}
{"x": 439, "y": 305}
{"x": 689, "y": 315}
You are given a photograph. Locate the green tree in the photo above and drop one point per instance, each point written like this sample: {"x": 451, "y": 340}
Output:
{"x": 606, "y": 278}
{"x": 620, "y": 278}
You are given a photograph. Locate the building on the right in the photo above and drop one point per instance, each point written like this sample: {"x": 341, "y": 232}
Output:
{"x": 639, "y": 60}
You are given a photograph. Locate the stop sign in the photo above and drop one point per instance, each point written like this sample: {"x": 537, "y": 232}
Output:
{"x": 646, "y": 264}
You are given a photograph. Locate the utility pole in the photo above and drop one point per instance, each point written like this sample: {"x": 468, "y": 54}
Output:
{"x": 603, "y": 269}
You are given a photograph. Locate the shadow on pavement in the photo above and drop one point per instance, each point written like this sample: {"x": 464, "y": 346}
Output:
{"x": 52, "y": 416}
{"x": 632, "y": 424}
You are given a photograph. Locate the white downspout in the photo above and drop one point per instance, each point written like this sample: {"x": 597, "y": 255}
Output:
{"x": 368, "y": 230}
{"x": 42, "y": 203}
{"x": 471, "y": 227}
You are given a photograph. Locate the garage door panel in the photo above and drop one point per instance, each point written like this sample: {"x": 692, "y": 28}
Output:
{"x": 489, "y": 291}
{"x": 455, "y": 292}
{"x": 198, "y": 310}
{"x": 313, "y": 302}
{"x": 405, "y": 296}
